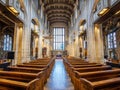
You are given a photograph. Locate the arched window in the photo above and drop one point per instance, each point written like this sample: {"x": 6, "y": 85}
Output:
{"x": 7, "y": 43}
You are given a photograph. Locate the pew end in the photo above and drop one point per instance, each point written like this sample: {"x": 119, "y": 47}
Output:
{"x": 108, "y": 84}
{"x": 6, "y": 84}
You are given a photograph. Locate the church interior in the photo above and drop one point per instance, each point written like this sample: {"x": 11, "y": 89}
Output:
{"x": 59, "y": 44}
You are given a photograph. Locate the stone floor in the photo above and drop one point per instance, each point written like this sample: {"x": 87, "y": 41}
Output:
{"x": 59, "y": 79}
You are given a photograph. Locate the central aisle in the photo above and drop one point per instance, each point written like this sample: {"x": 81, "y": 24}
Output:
{"x": 59, "y": 79}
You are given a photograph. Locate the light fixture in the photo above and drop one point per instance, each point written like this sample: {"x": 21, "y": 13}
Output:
{"x": 103, "y": 11}
{"x": 81, "y": 30}
{"x": 82, "y": 21}
{"x": 118, "y": 24}
{"x": 81, "y": 27}
{"x": 35, "y": 31}
{"x": 35, "y": 21}
{"x": 13, "y": 10}
{"x": 118, "y": 12}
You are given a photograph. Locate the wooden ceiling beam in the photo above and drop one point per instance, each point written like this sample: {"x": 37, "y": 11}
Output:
{"x": 58, "y": 14}
{"x": 60, "y": 3}
{"x": 61, "y": 17}
{"x": 58, "y": 22}
{"x": 58, "y": 10}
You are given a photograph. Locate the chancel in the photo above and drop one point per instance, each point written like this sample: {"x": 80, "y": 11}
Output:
{"x": 59, "y": 44}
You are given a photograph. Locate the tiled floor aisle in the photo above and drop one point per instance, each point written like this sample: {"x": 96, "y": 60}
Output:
{"x": 59, "y": 79}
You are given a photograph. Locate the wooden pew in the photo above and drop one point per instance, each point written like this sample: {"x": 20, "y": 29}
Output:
{"x": 105, "y": 77}
{"x": 70, "y": 71}
{"x": 6, "y": 84}
{"x": 38, "y": 67}
{"x": 96, "y": 76}
{"x": 32, "y": 65}
{"x": 75, "y": 80}
{"x": 35, "y": 68}
{"x": 26, "y": 74}
{"x": 25, "y": 69}
{"x": 30, "y": 70}
{"x": 49, "y": 65}
{"x": 107, "y": 84}
{"x": 88, "y": 65}
{"x": 91, "y": 69}
{"x": 81, "y": 63}
{"x": 40, "y": 62}
{"x": 78, "y": 64}
{"x": 69, "y": 64}
{"x": 19, "y": 75}
{"x": 24, "y": 77}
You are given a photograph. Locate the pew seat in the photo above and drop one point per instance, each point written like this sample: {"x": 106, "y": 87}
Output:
{"x": 25, "y": 69}
{"x": 19, "y": 75}
{"x": 75, "y": 78}
{"x": 6, "y": 84}
{"x": 24, "y": 77}
{"x": 88, "y": 65}
{"x": 95, "y": 76}
{"x": 32, "y": 65}
{"x": 90, "y": 69}
{"x": 108, "y": 84}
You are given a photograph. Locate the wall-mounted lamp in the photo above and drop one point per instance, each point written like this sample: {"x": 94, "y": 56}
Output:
{"x": 81, "y": 30}
{"x": 35, "y": 21}
{"x": 35, "y": 31}
{"x": 81, "y": 27}
{"x": 13, "y": 10}
{"x": 118, "y": 12}
{"x": 103, "y": 11}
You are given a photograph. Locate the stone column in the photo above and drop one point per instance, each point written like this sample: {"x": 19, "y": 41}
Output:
{"x": 99, "y": 44}
{"x": 26, "y": 44}
{"x": 91, "y": 52}
{"x": 19, "y": 44}
{"x": 77, "y": 43}
{"x": 40, "y": 41}
{"x": 91, "y": 44}
{"x": 15, "y": 45}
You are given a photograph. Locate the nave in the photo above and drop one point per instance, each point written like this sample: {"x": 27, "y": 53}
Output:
{"x": 85, "y": 33}
{"x": 69, "y": 73}
{"x": 59, "y": 79}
